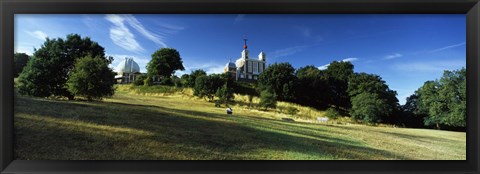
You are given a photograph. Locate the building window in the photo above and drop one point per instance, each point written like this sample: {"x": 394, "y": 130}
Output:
{"x": 255, "y": 67}
{"x": 241, "y": 76}
{"x": 255, "y": 77}
{"x": 260, "y": 67}
{"x": 249, "y": 76}
{"x": 249, "y": 67}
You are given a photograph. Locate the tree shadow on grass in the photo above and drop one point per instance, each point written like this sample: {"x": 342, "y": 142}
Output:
{"x": 177, "y": 134}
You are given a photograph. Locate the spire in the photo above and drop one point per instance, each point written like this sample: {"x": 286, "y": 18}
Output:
{"x": 245, "y": 42}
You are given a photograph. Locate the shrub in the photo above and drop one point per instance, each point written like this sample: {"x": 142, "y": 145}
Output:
{"x": 166, "y": 81}
{"x": 148, "y": 81}
{"x": 268, "y": 99}
{"x": 332, "y": 113}
{"x": 140, "y": 80}
{"x": 292, "y": 110}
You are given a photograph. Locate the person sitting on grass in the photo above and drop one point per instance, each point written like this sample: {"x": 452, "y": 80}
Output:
{"x": 229, "y": 110}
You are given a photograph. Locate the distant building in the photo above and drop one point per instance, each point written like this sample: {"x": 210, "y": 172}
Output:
{"x": 245, "y": 68}
{"x": 127, "y": 71}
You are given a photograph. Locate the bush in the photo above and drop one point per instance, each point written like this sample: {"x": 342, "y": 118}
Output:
{"x": 148, "y": 81}
{"x": 166, "y": 81}
{"x": 268, "y": 99}
{"x": 224, "y": 94}
{"x": 140, "y": 80}
{"x": 292, "y": 110}
{"x": 332, "y": 113}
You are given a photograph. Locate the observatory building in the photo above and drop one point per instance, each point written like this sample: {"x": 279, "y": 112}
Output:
{"x": 127, "y": 71}
{"x": 246, "y": 68}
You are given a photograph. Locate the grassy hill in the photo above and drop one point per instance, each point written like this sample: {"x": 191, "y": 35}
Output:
{"x": 132, "y": 125}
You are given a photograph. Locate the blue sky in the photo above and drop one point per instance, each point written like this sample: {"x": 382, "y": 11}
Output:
{"x": 405, "y": 50}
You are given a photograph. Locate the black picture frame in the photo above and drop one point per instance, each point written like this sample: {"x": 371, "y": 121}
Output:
{"x": 8, "y": 9}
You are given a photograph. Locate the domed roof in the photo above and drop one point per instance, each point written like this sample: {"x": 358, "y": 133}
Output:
{"x": 127, "y": 66}
{"x": 230, "y": 64}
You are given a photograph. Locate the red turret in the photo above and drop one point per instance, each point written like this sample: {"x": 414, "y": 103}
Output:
{"x": 245, "y": 44}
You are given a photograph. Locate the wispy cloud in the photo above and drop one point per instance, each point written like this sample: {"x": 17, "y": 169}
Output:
{"x": 392, "y": 56}
{"x": 350, "y": 59}
{"x": 428, "y": 66}
{"x": 288, "y": 51}
{"x": 37, "y": 34}
{"x": 121, "y": 35}
{"x": 447, "y": 47}
{"x": 239, "y": 18}
{"x": 141, "y": 29}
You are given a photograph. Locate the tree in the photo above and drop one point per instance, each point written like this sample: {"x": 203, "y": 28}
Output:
{"x": 444, "y": 100}
{"x": 207, "y": 86}
{"x": 47, "y": 71}
{"x": 369, "y": 107}
{"x": 312, "y": 87}
{"x": 193, "y": 77}
{"x": 20, "y": 61}
{"x": 224, "y": 94}
{"x": 363, "y": 85}
{"x": 91, "y": 78}
{"x": 268, "y": 99}
{"x": 139, "y": 81}
{"x": 410, "y": 115}
{"x": 338, "y": 74}
{"x": 184, "y": 80}
{"x": 280, "y": 79}
{"x": 164, "y": 63}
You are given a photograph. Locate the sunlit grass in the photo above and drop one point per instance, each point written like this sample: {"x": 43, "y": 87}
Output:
{"x": 180, "y": 127}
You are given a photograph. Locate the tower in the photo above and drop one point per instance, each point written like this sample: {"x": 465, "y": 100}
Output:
{"x": 245, "y": 51}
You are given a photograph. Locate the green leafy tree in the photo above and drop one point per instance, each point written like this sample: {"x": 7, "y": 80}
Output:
{"x": 444, "y": 100}
{"x": 48, "y": 70}
{"x": 410, "y": 114}
{"x": 193, "y": 77}
{"x": 91, "y": 78}
{"x": 207, "y": 86}
{"x": 268, "y": 99}
{"x": 164, "y": 63}
{"x": 369, "y": 107}
{"x": 184, "y": 80}
{"x": 281, "y": 79}
{"x": 363, "y": 85}
{"x": 312, "y": 87}
{"x": 338, "y": 74}
{"x": 176, "y": 81}
{"x": 20, "y": 61}
{"x": 224, "y": 95}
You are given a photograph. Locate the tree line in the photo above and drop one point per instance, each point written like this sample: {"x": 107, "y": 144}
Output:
{"x": 364, "y": 97}
{"x": 78, "y": 67}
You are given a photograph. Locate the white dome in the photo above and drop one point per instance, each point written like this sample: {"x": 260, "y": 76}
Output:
{"x": 127, "y": 66}
{"x": 239, "y": 63}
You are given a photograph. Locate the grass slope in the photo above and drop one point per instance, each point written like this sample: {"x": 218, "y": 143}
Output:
{"x": 141, "y": 127}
